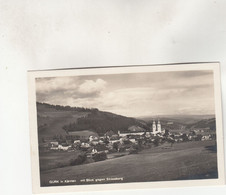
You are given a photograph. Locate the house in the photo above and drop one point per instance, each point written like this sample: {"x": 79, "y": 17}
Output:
{"x": 206, "y": 137}
{"x": 121, "y": 140}
{"x": 93, "y": 138}
{"x": 77, "y": 141}
{"x": 109, "y": 133}
{"x": 83, "y": 135}
{"x": 181, "y": 140}
{"x": 94, "y": 151}
{"x": 190, "y": 137}
{"x": 54, "y": 144}
{"x": 113, "y": 141}
{"x": 114, "y": 137}
{"x": 133, "y": 141}
{"x": 148, "y": 134}
{"x": 125, "y": 134}
{"x": 85, "y": 145}
{"x": 101, "y": 141}
{"x": 94, "y": 142}
{"x": 64, "y": 148}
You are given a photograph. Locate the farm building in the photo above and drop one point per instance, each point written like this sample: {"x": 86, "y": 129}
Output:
{"x": 83, "y": 135}
{"x": 125, "y": 134}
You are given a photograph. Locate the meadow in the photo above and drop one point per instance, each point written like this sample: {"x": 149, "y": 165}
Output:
{"x": 188, "y": 160}
{"x": 53, "y": 159}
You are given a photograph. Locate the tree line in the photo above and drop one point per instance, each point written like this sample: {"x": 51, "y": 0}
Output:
{"x": 67, "y": 108}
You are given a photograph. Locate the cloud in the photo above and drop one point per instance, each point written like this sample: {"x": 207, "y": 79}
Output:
{"x": 195, "y": 73}
{"x": 127, "y": 101}
{"x": 67, "y": 90}
{"x": 49, "y": 85}
{"x": 133, "y": 94}
{"x": 90, "y": 87}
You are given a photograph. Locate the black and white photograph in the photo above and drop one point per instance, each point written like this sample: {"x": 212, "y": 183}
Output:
{"x": 127, "y": 125}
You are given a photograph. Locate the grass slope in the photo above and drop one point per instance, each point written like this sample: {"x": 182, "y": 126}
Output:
{"x": 182, "y": 161}
{"x": 50, "y": 121}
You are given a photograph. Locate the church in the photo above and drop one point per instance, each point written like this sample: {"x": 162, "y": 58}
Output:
{"x": 156, "y": 128}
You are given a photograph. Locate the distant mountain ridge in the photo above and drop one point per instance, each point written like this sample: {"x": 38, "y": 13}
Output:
{"x": 182, "y": 124}
{"x": 205, "y": 123}
{"x": 182, "y": 119}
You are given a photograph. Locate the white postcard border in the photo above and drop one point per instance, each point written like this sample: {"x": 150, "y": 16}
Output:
{"x": 32, "y": 75}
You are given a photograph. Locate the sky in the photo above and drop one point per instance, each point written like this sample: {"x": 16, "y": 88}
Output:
{"x": 133, "y": 94}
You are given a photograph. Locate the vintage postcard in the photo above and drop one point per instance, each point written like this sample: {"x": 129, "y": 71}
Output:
{"x": 131, "y": 127}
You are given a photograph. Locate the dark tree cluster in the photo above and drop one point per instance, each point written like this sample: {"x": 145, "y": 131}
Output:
{"x": 79, "y": 160}
{"x": 101, "y": 122}
{"x": 68, "y": 108}
{"x": 99, "y": 156}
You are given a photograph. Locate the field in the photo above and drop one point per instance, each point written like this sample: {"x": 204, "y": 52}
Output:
{"x": 51, "y": 160}
{"x": 190, "y": 160}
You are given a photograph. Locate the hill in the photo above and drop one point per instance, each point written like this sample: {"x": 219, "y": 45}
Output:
{"x": 183, "y": 122}
{"x": 51, "y": 118}
{"x": 55, "y": 120}
{"x": 204, "y": 124}
{"x": 180, "y": 119}
{"x": 101, "y": 122}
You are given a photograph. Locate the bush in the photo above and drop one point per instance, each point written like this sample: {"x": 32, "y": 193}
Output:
{"x": 134, "y": 149}
{"x": 156, "y": 141}
{"x": 79, "y": 160}
{"x": 60, "y": 165}
{"x": 122, "y": 149}
{"x": 115, "y": 146}
{"x": 198, "y": 138}
{"x": 89, "y": 160}
{"x": 112, "y": 150}
{"x": 127, "y": 142}
{"x": 99, "y": 156}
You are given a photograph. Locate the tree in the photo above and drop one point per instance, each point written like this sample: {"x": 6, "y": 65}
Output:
{"x": 198, "y": 138}
{"x": 166, "y": 132}
{"x": 79, "y": 160}
{"x": 115, "y": 146}
{"x": 134, "y": 149}
{"x": 99, "y": 156}
{"x": 156, "y": 141}
{"x": 184, "y": 137}
{"x": 171, "y": 141}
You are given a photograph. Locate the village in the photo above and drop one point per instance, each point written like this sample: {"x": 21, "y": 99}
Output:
{"x": 132, "y": 141}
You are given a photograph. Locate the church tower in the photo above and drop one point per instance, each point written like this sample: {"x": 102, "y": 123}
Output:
{"x": 153, "y": 127}
{"x": 159, "y": 129}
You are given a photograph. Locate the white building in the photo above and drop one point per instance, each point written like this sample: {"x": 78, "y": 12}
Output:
{"x": 129, "y": 133}
{"x": 93, "y": 138}
{"x": 156, "y": 129}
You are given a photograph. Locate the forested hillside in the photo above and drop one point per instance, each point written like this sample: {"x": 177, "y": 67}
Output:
{"x": 60, "y": 120}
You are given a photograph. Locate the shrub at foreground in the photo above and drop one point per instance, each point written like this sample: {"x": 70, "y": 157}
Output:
{"x": 79, "y": 160}
{"x": 99, "y": 156}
